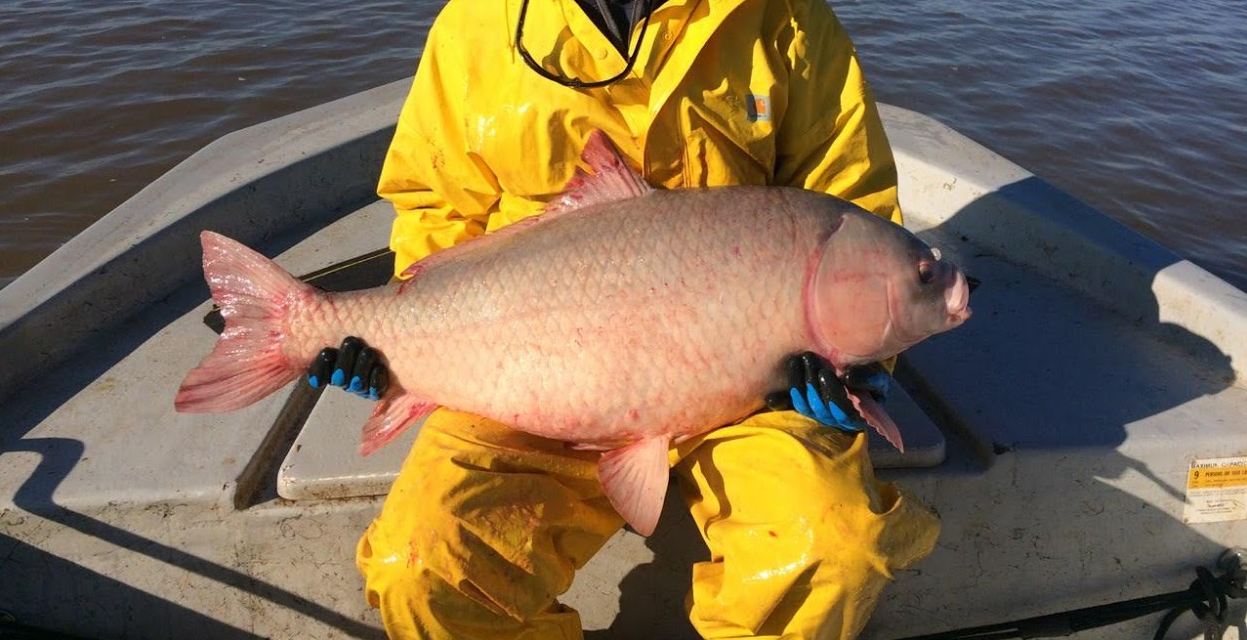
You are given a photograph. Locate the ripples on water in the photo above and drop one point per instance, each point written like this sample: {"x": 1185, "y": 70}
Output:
{"x": 100, "y": 98}
{"x": 1137, "y": 108}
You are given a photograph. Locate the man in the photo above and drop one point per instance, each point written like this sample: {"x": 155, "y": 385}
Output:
{"x": 485, "y": 526}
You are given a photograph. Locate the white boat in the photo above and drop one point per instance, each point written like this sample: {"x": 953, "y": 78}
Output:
{"x": 1057, "y": 433}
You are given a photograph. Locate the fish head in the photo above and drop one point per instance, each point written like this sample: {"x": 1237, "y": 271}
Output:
{"x": 877, "y": 289}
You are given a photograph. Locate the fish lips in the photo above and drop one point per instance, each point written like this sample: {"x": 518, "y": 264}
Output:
{"x": 957, "y": 298}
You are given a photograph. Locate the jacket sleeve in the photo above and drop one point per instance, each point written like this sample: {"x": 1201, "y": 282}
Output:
{"x": 831, "y": 138}
{"x": 441, "y": 193}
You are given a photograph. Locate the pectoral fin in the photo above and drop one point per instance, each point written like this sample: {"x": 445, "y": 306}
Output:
{"x": 634, "y": 479}
{"x": 876, "y": 417}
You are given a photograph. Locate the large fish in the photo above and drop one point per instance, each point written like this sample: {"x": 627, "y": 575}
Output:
{"x": 622, "y": 319}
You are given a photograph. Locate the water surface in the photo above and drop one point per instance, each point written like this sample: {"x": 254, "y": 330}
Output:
{"x": 1138, "y": 108}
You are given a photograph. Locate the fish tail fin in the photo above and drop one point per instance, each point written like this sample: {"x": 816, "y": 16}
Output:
{"x": 248, "y": 361}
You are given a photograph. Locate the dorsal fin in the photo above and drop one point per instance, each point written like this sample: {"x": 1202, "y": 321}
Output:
{"x": 611, "y": 178}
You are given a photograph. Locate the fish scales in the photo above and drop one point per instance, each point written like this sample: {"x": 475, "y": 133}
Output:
{"x": 622, "y": 319}
{"x": 691, "y": 298}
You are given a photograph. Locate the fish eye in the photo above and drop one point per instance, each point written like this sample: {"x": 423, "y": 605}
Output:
{"x": 926, "y": 272}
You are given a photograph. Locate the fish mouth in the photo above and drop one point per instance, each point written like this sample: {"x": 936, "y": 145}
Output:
{"x": 957, "y": 299}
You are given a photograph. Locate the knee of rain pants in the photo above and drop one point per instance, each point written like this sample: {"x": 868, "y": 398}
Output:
{"x": 802, "y": 536}
{"x": 485, "y": 526}
{"x": 481, "y": 531}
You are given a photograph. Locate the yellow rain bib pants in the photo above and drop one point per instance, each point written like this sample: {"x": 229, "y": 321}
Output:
{"x": 485, "y": 526}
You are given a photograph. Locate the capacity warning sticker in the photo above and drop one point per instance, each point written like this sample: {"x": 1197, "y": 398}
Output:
{"x": 1216, "y": 490}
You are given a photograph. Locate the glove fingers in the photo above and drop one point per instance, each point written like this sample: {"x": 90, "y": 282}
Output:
{"x": 811, "y": 364}
{"x": 860, "y": 375}
{"x": 816, "y": 392}
{"x": 819, "y": 408}
{"x": 348, "y": 353}
{"x": 872, "y": 378}
{"x": 319, "y": 371}
{"x": 798, "y": 402}
{"x": 778, "y": 401}
{"x": 361, "y": 369}
{"x": 832, "y": 391}
{"x": 378, "y": 381}
{"x": 354, "y": 366}
{"x": 797, "y": 377}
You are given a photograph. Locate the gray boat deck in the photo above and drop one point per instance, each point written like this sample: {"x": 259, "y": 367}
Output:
{"x": 1096, "y": 368}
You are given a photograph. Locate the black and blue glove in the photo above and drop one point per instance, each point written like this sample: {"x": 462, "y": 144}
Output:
{"x": 816, "y": 392}
{"x": 354, "y": 366}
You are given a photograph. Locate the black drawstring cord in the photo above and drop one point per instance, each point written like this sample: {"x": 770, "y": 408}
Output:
{"x": 1206, "y": 598}
{"x": 576, "y": 83}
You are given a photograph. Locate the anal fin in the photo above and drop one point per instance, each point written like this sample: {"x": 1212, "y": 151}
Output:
{"x": 635, "y": 479}
{"x": 392, "y": 415}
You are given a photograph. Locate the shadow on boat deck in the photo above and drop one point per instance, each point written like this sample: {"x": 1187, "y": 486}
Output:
{"x": 70, "y": 585}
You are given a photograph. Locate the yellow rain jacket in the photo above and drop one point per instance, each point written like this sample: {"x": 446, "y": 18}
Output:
{"x": 723, "y": 92}
{"x": 485, "y": 526}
